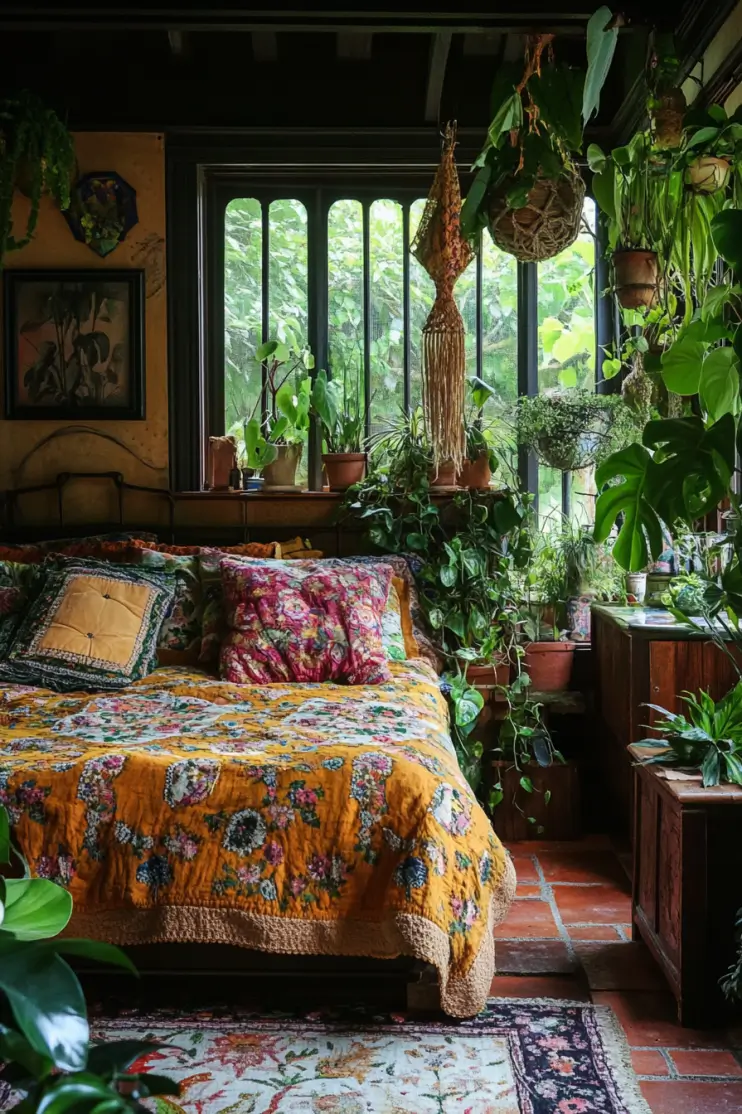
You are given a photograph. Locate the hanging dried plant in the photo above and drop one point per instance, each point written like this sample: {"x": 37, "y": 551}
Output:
{"x": 441, "y": 249}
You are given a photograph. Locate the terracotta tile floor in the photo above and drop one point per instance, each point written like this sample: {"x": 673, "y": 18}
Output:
{"x": 568, "y": 935}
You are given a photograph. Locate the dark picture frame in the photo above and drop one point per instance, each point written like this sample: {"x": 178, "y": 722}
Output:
{"x": 95, "y": 317}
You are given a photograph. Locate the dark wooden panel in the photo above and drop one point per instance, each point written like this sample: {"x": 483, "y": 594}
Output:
{"x": 645, "y": 882}
{"x": 669, "y": 874}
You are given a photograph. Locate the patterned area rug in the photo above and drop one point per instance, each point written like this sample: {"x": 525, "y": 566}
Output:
{"x": 518, "y": 1057}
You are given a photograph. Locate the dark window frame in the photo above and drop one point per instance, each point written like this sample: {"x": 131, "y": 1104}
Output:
{"x": 205, "y": 173}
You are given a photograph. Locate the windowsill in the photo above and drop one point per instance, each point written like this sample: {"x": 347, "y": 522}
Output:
{"x": 306, "y": 494}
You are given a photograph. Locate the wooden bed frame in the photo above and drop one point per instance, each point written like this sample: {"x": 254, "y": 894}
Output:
{"x": 217, "y": 971}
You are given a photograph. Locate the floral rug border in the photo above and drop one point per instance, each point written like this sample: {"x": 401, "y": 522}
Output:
{"x": 583, "y": 1065}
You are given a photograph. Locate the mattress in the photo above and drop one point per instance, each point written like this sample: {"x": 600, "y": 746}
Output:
{"x": 311, "y": 819}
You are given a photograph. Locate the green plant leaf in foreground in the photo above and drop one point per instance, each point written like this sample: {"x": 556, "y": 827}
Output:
{"x": 35, "y": 909}
{"x": 628, "y": 497}
{"x": 601, "y": 46}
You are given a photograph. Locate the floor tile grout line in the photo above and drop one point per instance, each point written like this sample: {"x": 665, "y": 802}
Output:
{"x": 671, "y": 1066}
{"x": 551, "y": 900}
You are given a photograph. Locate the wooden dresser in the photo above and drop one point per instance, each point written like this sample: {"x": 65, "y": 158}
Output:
{"x": 687, "y": 885}
{"x": 634, "y": 666}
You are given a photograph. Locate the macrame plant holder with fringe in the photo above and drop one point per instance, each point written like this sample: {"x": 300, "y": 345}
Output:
{"x": 440, "y": 248}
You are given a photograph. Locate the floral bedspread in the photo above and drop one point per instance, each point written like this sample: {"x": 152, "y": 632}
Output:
{"x": 293, "y": 818}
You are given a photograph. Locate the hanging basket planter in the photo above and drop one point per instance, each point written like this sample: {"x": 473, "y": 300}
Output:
{"x": 570, "y": 430}
{"x": 707, "y": 175}
{"x": 667, "y": 119}
{"x": 635, "y": 278}
{"x": 548, "y": 222}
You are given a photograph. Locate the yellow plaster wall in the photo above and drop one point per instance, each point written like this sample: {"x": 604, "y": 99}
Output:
{"x": 140, "y": 159}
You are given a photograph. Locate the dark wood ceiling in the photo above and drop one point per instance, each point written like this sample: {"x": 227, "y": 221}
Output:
{"x": 188, "y": 65}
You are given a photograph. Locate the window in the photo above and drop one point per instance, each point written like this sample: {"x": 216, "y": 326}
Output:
{"x": 364, "y": 316}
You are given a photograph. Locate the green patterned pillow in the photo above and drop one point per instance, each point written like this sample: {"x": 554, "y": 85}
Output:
{"x": 18, "y": 586}
{"x": 93, "y": 626}
{"x": 180, "y": 636}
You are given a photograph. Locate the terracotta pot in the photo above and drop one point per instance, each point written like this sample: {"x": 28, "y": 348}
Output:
{"x": 707, "y": 175}
{"x": 635, "y": 275}
{"x": 549, "y": 665}
{"x": 344, "y": 469}
{"x": 444, "y": 475}
{"x": 487, "y": 677}
{"x": 476, "y": 474}
{"x": 282, "y": 472}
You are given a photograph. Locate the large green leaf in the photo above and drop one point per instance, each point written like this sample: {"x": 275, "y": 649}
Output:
{"x": 681, "y": 366}
{"x": 692, "y": 466}
{"x": 726, "y": 232}
{"x": 719, "y": 386}
{"x": 471, "y": 211}
{"x": 46, "y": 1001}
{"x": 508, "y": 116}
{"x": 557, "y": 92}
{"x": 628, "y": 497}
{"x": 117, "y": 1056}
{"x": 601, "y": 46}
{"x": 604, "y": 190}
{"x": 35, "y": 909}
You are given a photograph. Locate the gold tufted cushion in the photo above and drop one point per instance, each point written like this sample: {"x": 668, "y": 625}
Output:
{"x": 94, "y": 626}
{"x": 99, "y": 618}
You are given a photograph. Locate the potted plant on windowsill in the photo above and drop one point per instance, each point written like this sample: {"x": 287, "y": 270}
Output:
{"x": 481, "y": 458}
{"x": 343, "y": 422}
{"x": 285, "y": 422}
{"x": 528, "y": 190}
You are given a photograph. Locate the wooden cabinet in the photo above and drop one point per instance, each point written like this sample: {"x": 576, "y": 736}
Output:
{"x": 636, "y": 666}
{"x": 687, "y": 885}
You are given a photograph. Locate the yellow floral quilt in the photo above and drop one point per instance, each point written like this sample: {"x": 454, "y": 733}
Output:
{"x": 291, "y": 818}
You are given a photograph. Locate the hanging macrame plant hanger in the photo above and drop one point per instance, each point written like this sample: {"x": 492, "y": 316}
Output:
{"x": 440, "y": 248}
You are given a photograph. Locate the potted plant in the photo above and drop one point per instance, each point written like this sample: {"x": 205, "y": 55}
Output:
{"x": 37, "y": 154}
{"x": 285, "y": 422}
{"x": 343, "y": 424}
{"x": 630, "y": 186}
{"x": 710, "y": 148}
{"x": 528, "y": 190}
{"x": 666, "y": 103}
{"x": 571, "y": 429}
{"x": 571, "y": 571}
{"x": 481, "y": 458}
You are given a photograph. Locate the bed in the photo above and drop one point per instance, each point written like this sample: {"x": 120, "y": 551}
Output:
{"x": 313, "y": 819}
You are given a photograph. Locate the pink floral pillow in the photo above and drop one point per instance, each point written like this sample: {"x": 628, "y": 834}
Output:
{"x": 303, "y": 624}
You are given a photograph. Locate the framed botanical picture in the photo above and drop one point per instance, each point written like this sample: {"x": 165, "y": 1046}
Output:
{"x": 74, "y": 344}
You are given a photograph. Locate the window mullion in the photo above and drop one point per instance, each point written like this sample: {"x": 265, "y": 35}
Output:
{"x": 318, "y": 314}
{"x": 528, "y": 362}
{"x": 265, "y": 261}
{"x": 406, "y": 304}
{"x": 367, "y": 314}
{"x": 479, "y": 333}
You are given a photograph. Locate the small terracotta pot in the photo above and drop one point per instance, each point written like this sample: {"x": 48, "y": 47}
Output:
{"x": 444, "y": 475}
{"x": 549, "y": 665}
{"x": 487, "y": 677}
{"x": 282, "y": 472}
{"x": 635, "y": 274}
{"x": 344, "y": 469}
{"x": 476, "y": 474}
{"x": 707, "y": 175}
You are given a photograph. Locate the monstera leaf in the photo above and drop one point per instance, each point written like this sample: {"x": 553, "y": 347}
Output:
{"x": 629, "y": 498}
{"x": 692, "y": 466}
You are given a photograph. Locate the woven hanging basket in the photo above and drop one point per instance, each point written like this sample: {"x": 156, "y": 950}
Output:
{"x": 547, "y": 224}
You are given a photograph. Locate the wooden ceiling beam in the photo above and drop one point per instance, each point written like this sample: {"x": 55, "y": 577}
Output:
{"x": 36, "y": 15}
